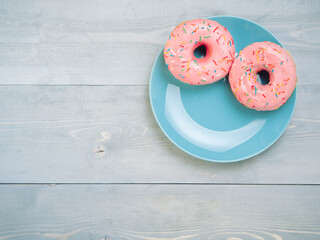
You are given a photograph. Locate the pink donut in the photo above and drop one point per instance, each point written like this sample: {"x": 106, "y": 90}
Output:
{"x": 257, "y": 57}
{"x": 190, "y": 35}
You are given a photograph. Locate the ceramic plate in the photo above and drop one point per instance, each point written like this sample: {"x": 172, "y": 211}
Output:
{"x": 207, "y": 121}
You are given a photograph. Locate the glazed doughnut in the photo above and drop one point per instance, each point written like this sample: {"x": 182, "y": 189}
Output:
{"x": 209, "y": 35}
{"x": 251, "y": 60}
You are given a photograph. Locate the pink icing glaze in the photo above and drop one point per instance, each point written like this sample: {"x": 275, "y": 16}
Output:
{"x": 243, "y": 76}
{"x": 180, "y": 59}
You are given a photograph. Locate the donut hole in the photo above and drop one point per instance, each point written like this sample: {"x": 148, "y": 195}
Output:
{"x": 200, "y": 51}
{"x": 263, "y": 77}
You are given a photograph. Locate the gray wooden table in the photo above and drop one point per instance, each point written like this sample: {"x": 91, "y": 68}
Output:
{"x": 81, "y": 156}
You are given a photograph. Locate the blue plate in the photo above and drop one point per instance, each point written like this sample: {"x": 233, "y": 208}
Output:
{"x": 207, "y": 121}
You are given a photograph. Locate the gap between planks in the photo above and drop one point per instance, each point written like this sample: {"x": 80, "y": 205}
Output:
{"x": 77, "y": 85}
{"x": 159, "y": 183}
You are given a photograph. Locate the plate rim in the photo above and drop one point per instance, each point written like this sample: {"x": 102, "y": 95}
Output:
{"x": 221, "y": 160}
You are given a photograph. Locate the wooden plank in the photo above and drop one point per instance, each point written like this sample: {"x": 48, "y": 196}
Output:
{"x": 155, "y": 212}
{"x": 115, "y": 43}
{"x": 107, "y": 134}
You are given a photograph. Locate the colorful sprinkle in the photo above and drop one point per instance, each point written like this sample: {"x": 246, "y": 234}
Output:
{"x": 218, "y": 39}
{"x": 195, "y": 61}
{"x": 206, "y": 36}
{"x": 276, "y": 50}
{"x": 257, "y": 56}
{"x": 184, "y": 31}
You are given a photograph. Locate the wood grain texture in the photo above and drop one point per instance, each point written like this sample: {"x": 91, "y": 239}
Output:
{"x": 116, "y": 42}
{"x": 74, "y": 132}
{"x": 107, "y": 134}
{"x": 157, "y": 212}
